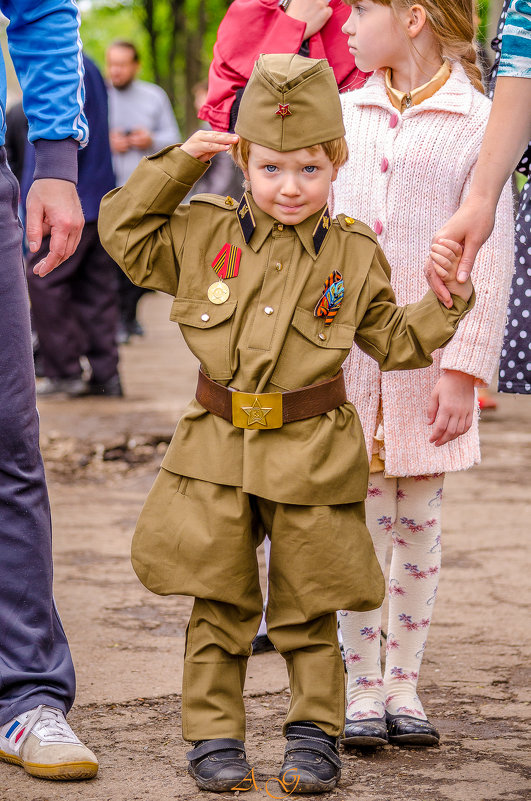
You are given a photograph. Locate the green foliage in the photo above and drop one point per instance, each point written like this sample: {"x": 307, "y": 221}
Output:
{"x": 175, "y": 39}
{"x": 483, "y": 14}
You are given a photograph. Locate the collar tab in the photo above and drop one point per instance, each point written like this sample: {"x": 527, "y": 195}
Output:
{"x": 321, "y": 229}
{"x": 246, "y": 218}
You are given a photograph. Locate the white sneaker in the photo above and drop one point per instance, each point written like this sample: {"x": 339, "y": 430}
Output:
{"x": 42, "y": 742}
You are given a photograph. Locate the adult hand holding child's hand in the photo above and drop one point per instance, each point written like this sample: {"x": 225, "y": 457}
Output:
{"x": 441, "y": 271}
{"x": 202, "y": 145}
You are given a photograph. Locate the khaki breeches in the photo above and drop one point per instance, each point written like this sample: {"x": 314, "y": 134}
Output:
{"x": 197, "y": 538}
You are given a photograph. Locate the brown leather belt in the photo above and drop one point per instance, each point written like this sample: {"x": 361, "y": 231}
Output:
{"x": 267, "y": 410}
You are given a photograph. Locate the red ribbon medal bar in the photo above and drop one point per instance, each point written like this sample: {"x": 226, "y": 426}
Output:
{"x": 227, "y": 263}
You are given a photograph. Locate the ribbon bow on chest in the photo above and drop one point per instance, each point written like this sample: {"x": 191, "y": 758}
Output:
{"x": 332, "y": 297}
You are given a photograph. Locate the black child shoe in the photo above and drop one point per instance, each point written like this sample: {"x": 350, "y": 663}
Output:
{"x": 219, "y": 765}
{"x": 368, "y": 733}
{"x": 311, "y": 761}
{"x": 407, "y": 730}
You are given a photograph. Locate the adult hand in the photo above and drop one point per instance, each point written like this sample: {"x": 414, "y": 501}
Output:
{"x": 140, "y": 138}
{"x": 202, "y": 145}
{"x": 53, "y": 207}
{"x": 315, "y": 13}
{"x": 471, "y": 225}
{"x": 119, "y": 141}
{"x": 451, "y": 406}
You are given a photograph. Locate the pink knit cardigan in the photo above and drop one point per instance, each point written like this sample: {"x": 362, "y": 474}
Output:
{"x": 406, "y": 175}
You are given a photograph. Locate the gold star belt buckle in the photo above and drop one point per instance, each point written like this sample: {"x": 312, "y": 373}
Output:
{"x": 257, "y": 412}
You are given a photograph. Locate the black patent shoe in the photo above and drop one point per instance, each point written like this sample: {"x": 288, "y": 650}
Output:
{"x": 368, "y": 733}
{"x": 310, "y": 765}
{"x": 219, "y": 765}
{"x": 406, "y": 730}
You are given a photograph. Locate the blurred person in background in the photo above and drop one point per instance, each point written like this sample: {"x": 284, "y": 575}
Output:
{"x": 141, "y": 122}
{"x": 307, "y": 27}
{"x": 75, "y": 309}
{"x": 37, "y": 685}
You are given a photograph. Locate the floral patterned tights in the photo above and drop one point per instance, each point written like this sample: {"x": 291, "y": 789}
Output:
{"x": 406, "y": 511}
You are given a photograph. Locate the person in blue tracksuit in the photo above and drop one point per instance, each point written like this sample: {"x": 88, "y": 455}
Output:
{"x": 37, "y": 682}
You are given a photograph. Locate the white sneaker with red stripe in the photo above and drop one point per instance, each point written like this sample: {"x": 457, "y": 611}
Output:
{"x": 42, "y": 742}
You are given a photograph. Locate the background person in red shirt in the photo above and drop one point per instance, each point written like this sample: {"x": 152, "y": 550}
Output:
{"x": 308, "y": 27}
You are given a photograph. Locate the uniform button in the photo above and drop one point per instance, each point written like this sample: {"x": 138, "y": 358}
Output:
{"x": 378, "y": 227}
{"x": 349, "y": 221}
{"x": 278, "y": 266}
{"x": 205, "y": 318}
{"x": 393, "y": 119}
{"x": 384, "y": 165}
{"x": 322, "y": 336}
{"x": 229, "y": 201}
{"x": 280, "y": 227}
{"x": 269, "y": 310}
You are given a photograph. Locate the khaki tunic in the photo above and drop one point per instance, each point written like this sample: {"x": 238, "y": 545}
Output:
{"x": 164, "y": 246}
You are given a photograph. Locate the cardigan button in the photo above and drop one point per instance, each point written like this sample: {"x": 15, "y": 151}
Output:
{"x": 393, "y": 119}
{"x": 384, "y": 165}
{"x": 378, "y": 227}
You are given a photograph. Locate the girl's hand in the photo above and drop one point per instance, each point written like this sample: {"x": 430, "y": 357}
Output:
{"x": 451, "y": 406}
{"x": 202, "y": 145}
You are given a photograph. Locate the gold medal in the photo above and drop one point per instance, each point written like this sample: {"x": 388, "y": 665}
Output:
{"x": 218, "y": 292}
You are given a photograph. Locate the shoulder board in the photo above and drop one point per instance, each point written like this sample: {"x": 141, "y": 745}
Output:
{"x": 228, "y": 203}
{"x": 355, "y": 226}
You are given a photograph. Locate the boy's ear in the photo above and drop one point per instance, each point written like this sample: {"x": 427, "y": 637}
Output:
{"x": 334, "y": 174}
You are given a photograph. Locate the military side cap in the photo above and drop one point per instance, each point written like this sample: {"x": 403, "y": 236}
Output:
{"x": 290, "y": 102}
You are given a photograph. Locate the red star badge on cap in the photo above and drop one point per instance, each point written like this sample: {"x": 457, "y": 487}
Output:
{"x": 283, "y": 110}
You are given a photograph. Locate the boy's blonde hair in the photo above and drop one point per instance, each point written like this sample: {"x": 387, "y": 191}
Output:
{"x": 336, "y": 150}
{"x": 452, "y": 24}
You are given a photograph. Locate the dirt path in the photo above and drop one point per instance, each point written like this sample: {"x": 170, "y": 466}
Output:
{"x": 102, "y": 456}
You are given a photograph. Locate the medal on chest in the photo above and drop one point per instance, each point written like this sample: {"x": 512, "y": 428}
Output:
{"x": 226, "y": 265}
{"x": 218, "y": 292}
{"x": 331, "y": 299}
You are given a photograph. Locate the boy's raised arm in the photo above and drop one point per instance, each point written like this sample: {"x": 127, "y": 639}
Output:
{"x": 142, "y": 226}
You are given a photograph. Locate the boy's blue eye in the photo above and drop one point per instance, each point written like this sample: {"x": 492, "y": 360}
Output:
{"x": 270, "y": 168}
{"x": 310, "y": 168}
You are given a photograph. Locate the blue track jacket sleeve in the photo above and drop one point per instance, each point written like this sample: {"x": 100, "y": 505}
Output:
{"x": 44, "y": 43}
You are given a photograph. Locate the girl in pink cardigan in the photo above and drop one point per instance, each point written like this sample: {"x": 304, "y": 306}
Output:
{"x": 414, "y": 132}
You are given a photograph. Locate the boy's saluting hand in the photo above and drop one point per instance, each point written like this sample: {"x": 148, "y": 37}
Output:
{"x": 443, "y": 260}
{"x": 202, "y": 145}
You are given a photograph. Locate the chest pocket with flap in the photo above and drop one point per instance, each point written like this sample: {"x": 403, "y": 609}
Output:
{"x": 207, "y": 329}
{"x": 312, "y": 351}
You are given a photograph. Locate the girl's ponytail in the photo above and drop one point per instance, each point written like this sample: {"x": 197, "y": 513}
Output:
{"x": 468, "y": 62}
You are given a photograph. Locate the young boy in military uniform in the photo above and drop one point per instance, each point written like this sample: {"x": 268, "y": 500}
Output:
{"x": 270, "y": 294}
